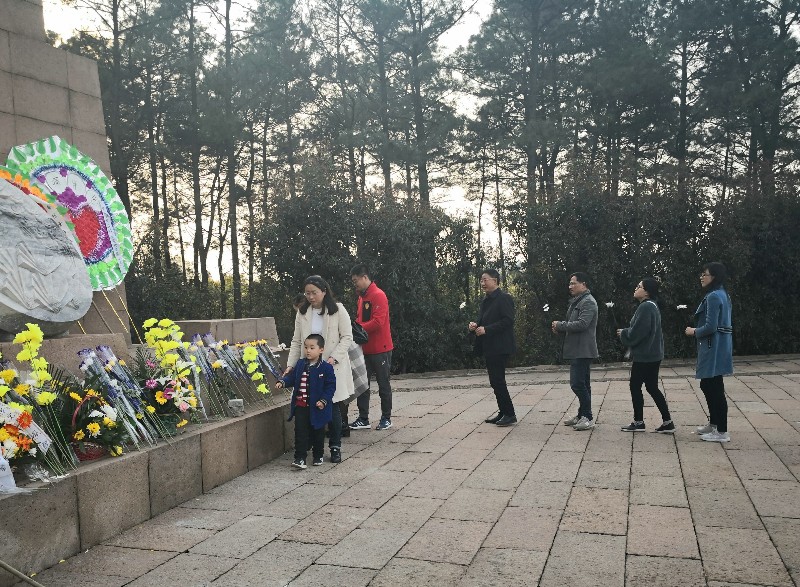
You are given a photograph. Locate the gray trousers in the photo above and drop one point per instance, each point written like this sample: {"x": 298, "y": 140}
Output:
{"x": 379, "y": 365}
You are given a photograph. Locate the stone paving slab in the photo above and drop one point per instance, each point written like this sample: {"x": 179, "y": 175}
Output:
{"x": 443, "y": 499}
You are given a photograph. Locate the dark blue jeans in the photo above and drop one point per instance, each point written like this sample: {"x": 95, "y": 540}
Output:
{"x": 581, "y": 386}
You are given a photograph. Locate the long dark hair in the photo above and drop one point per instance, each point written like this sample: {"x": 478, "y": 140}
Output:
{"x": 718, "y": 272}
{"x": 328, "y": 301}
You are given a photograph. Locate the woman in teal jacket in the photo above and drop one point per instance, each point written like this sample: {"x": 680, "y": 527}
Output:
{"x": 646, "y": 343}
{"x": 714, "y": 334}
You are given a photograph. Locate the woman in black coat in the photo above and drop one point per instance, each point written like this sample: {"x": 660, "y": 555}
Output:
{"x": 494, "y": 339}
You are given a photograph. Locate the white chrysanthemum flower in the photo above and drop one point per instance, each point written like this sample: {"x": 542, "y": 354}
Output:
{"x": 95, "y": 414}
{"x": 109, "y": 412}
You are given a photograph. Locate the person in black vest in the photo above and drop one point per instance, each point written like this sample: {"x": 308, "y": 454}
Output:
{"x": 493, "y": 334}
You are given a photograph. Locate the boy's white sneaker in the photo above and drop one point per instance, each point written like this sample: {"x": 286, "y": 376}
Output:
{"x": 716, "y": 436}
{"x": 584, "y": 424}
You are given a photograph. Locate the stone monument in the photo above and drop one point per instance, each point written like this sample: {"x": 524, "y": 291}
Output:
{"x": 46, "y": 91}
{"x": 42, "y": 275}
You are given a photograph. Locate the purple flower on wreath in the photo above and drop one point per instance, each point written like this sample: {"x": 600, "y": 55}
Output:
{"x": 151, "y": 384}
{"x": 70, "y": 199}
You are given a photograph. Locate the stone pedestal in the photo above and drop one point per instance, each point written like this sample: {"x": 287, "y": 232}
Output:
{"x": 234, "y": 330}
{"x": 64, "y": 351}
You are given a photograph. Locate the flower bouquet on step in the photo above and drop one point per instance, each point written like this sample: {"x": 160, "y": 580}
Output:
{"x": 168, "y": 383}
{"x": 96, "y": 426}
{"x": 35, "y": 392}
{"x": 125, "y": 400}
{"x": 177, "y": 365}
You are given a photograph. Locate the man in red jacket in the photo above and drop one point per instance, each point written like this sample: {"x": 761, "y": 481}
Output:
{"x": 373, "y": 315}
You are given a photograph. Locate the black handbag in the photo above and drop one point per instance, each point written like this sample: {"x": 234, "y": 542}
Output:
{"x": 360, "y": 335}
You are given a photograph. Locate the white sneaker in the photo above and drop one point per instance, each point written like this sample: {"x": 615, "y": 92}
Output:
{"x": 572, "y": 421}
{"x": 584, "y": 424}
{"x": 716, "y": 436}
{"x": 706, "y": 429}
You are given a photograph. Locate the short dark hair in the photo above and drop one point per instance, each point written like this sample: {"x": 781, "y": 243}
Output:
{"x": 360, "y": 269}
{"x": 718, "y": 272}
{"x": 493, "y": 273}
{"x": 650, "y": 285}
{"x": 319, "y": 338}
{"x": 580, "y": 277}
{"x": 328, "y": 301}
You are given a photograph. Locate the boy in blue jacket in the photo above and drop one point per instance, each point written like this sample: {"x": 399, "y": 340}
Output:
{"x": 314, "y": 385}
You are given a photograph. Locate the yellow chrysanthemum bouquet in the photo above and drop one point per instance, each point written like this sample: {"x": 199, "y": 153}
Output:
{"x": 169, "y": 379}
{"x": 30, "y": 406}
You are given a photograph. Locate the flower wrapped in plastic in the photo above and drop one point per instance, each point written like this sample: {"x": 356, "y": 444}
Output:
{"x": 36, "y": 391}
{"x": 126, "y": 401}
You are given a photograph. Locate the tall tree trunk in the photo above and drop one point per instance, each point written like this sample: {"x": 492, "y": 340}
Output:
{"x": 152, "y": 161}
{"x": 119, "y": 162}
{"x": 200, "y": 259}
{"x": 385, "y": 147}
{"x": 233, "y": 195}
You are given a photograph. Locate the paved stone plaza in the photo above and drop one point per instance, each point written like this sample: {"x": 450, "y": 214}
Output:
{"x": 444, "y": 499}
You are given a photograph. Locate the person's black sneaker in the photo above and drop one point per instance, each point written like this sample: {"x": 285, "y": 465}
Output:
{"x": 299, "y": 463}
{"x": 666, "y": 428}
{"x": 318, "y": 461}
{"x": 633, "y": 427}
{"x": 494, "y": 419}
{"x": 506, "y": 421}
{"x": 336, "y": 455}
{"x": 359, "y": 424}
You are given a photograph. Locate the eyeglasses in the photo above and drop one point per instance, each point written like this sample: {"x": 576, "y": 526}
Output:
{"x": 311, "y": 294}
{"x": 702, "y": 275}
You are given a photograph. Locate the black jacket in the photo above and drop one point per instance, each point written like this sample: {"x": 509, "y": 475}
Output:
{"x": 496, "y": 315}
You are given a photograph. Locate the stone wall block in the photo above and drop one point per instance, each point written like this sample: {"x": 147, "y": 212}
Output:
{"x": 113, "y": 495}
{"x": 224, "y": 449}
{"x": 8, "y": 133}
{"x": 244, "y": 329}
{"x": 107, "y": 314}
{"x": 22, "y": 17}
{"x": 95, "y": 146}
{"x": 82, "y": 75}
{"x": 176, "y": 472}
{"x": 63, "y": 351}
{"x": 266, "y": 329}
{"x": 265, "y": 438}
{"x": 288, "y": 429}
{"x": 37, "y": 60}
{"x": 5, "y": 47}
{"x": 39, "y": 528}
{"x": 30, "y": 130}
{"x": 6, "y": 94}
{"x": 86, "y": 113}
{"x": 40, "y": 101}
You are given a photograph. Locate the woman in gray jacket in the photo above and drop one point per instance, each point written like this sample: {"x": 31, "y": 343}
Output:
{"x": 646, "y": 343}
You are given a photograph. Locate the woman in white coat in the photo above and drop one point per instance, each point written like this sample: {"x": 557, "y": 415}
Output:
{"x": 320, "y": 313}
